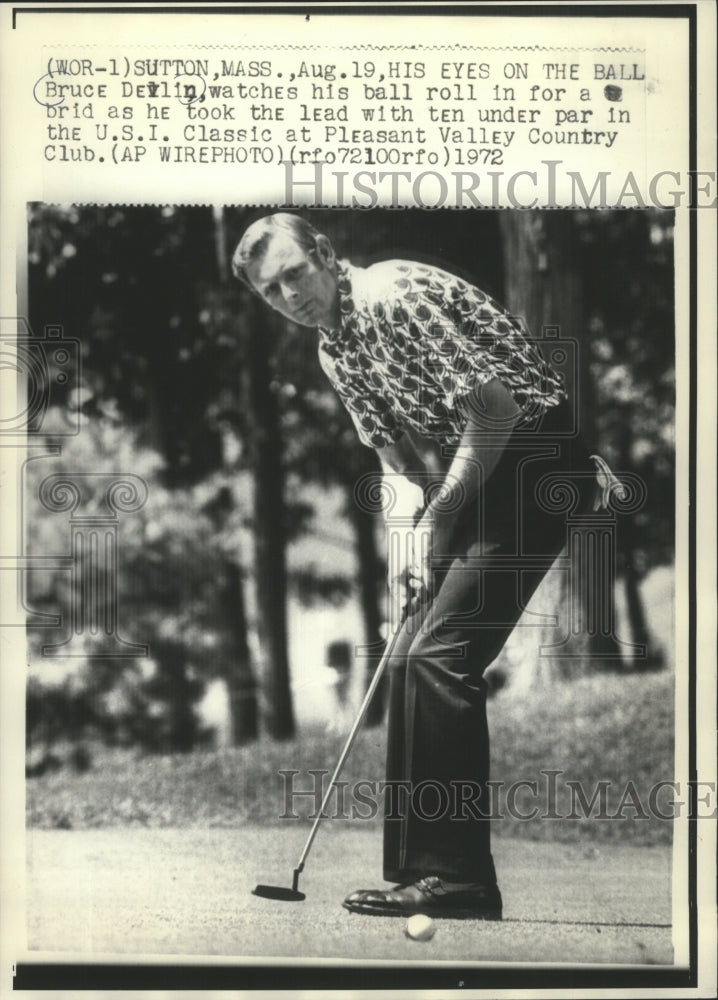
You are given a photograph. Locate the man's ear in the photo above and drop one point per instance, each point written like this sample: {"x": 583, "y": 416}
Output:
{"x": 325, "y": 251}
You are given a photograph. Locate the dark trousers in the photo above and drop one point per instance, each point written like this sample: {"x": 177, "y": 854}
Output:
{"x": 437, "y": 805}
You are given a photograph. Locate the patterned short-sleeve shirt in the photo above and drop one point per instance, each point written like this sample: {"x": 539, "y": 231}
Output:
{"x": 413, "y": 341}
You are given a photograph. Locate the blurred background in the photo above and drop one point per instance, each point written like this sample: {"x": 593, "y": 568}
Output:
{"x": 250, "y": 573}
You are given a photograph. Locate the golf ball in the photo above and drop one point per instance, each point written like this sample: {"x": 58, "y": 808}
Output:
{"x": 420, "y": 927}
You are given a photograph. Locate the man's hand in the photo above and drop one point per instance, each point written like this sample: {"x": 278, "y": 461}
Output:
{"x": 410, "y": 574}
{"x": 422, "y": 552}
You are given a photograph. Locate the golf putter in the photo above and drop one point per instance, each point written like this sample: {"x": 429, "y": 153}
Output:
{"x": 293, "y": 894}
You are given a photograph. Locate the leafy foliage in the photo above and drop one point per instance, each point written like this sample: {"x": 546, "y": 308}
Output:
{"x": 168, "y": 572}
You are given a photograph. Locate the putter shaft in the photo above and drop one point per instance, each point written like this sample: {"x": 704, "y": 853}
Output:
{"x": 347, "y": 746}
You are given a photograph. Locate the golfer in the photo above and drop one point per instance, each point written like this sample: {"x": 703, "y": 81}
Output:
{"x": 449, "y": 390}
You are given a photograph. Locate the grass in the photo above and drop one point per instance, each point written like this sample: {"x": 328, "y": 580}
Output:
{"x": 609, "y": 727}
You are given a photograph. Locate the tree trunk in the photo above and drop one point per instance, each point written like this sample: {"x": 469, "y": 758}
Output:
{"x": 269, "y": 531}
{"x": 239, "y": 676}
{"x": 634, "y": 602}
{"x": 179, "y": 693}
{"x": 637, "y": 617}
{"x": 236, "y": 662}
{"x": 543, "y": 284}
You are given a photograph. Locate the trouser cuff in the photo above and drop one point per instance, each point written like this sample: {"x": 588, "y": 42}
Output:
{"x": 448, "y": 866}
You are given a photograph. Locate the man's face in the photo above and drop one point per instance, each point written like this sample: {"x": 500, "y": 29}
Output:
{"x": 298, "y": 284}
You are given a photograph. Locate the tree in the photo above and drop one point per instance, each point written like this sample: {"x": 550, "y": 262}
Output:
{"x": 238, "y": 669}
{"x": 161, "y": 592}
{"x": 631, "y": 311}
{"x": 270, "y": 520}
{"x": 134, "y": 286}
{"x": 544, "y": 284}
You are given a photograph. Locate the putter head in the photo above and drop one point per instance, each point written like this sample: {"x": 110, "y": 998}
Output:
{"x": 278, "y": 892}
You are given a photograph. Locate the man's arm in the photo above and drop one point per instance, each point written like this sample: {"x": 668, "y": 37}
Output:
{"x": 401, "y": 458}
{"x": 405, "y": 471}
{"x": 405, "y": 474}
{"x": 492, "y": 416}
